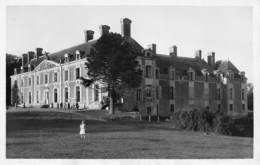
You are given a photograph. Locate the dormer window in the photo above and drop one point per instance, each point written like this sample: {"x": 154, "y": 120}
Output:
{"x": 77, "y": 55}
{"x": 191, "y": 74}
{"x": 66, "y": 57}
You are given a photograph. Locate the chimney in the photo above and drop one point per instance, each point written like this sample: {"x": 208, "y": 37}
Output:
{"x": 211, "y": 58}
{"x": 30, "y": 56}
{"x": 126, "y": 27}
{"x": 24, "y": 59}
{"x": 152, "y": 47}
{"x": 104, "y": 29}
{"x": 89, "y": 35}
{"x": 198, "y": 54}
{"x": 38, "y": 52}
{"x": 173, "y": 51}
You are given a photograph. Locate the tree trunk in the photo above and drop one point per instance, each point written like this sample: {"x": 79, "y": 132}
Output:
{"x": 111, "y": 100}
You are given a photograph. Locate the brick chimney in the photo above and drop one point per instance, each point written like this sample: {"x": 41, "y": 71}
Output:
{"x": 104, "y": 29}
{"x": 30, "y": 56}
{"x": 126, "y": 27}
{"x": 152, "y": 47}
{"x": 38, "y": 52}
{"x": 211, "y": 58}
{"x": 173, "y": 51}
{"x": 89, "y": 35}
{"x": 24, "y": 59}
{"x": 198, "y": 54}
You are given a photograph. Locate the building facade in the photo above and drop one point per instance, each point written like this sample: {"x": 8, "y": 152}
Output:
{"x": 170, "y": 82}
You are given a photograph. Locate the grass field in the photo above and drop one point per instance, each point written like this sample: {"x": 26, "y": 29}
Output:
{"x": 58, "y": 138}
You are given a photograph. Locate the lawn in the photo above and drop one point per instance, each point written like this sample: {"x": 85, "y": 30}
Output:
{"x": 58, "y": 138}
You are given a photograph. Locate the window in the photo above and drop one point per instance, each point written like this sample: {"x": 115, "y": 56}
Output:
{"x": 22, "y": 97}
{"x": 138, "y": 94}
{"x": 172, "y": 107}
{"x": 148, "y": 91}
{"x": 55, "y": 78}
{"x": 66, "y": 77}
{"x": 96, "y": 93}
{"x": 207, "y": 77}
{"x": 37, "y": 80}
{"x": 243, "y": 107}
{"x": 66, "y": 95}
{"x": 230, "y": 93}
{"x": 46, "y": 78}
{"x": 37, "y": 97}
{"x": 231, "y": 107}
{"x": 157, "y": 73}
{"x": 172, "y": 74}
{"x": 30, "y": 81}
{"x": 66, "y": 58}
{"x": 77, "y": 55}
{"x": 157, "y": 92}
{"x": 148, "y": 71}
{"x": 191, "y": 76}
{"x": 30, "y": 97}
{"x": 171, "y": 93}
{"x": 77, "y": 73}
{"x": 149, "y": 110}
{"x": 77, "y": 94}
{"x": 219, "y": 107}
{"x": 165, "y": 70}
{"x": 218, "y": 93}
{"x": 55, "y": 95}
{"x": 243, "y": 94}
{"x": 21, "y": 83}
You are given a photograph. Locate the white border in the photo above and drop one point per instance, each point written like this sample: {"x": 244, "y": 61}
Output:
{"x": 256, "y": 51}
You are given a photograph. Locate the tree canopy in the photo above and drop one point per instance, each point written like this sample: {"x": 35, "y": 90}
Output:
{"x": 113, "y": 61}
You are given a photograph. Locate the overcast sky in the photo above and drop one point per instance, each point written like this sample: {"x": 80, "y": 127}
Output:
{"x": 225, "y": 30}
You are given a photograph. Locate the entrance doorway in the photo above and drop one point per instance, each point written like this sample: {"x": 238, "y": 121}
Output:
{"x": 46, "y": 97}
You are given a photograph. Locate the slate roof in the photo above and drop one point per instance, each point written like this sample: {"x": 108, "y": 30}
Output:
{"x": 181, "y": 64}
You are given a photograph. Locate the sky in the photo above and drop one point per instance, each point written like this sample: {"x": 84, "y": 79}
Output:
{"x": 225, "y": 30}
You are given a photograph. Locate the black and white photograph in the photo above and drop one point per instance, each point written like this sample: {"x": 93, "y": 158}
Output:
{"x": 103, "y": 82}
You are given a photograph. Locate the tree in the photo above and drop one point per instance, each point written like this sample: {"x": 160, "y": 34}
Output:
{"x": 250, "y": 96}
{"x": 113, "y": 61}
{"x": 15, "y": 94}
{"x": 12, "y": 62}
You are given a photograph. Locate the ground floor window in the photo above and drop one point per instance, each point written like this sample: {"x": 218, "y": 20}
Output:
{"x": 55, "y": 95}
{"x": 37, "y": 96}
{"x": 172, "y": 107}
{"x": 149, "y": 110}
{"x": 138, "y": 95}
{"x": 30, "y": 97}
{"x": 77, "y": 94}
{"x": 243, "y": 107}
{"x": 66, "y": 94}
{"x": 231, "y": 107}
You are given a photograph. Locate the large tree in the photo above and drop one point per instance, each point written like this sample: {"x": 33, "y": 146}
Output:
{"x": 250, "y": 96}
{"x": 15, "y": 94}
{"x": 113, "y": 61}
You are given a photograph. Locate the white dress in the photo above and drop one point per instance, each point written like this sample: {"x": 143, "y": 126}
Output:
{"x": 82, "y": 129}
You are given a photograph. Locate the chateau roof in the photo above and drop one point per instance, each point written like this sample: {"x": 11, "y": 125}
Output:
{"x": 181, "y": 64}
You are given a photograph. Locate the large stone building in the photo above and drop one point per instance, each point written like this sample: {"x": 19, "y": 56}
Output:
{"x": 170, "y": 82}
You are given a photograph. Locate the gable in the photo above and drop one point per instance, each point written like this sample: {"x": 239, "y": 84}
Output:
{"x": 46, "y": 64}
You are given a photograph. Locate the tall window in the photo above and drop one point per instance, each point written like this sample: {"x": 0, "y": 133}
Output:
{"x": 171, "y": 93}
{"x": 207, "y": 77}
{"x": 157, "y": 92}
{"x": 55, "y": 95}
{"x": 37, "y": 97}
{"x": 55, "y": 78}
{"x": 148, "y": 71}
{"x": 231, "y": 107}
{"x": 37, "y": 80}
{"x": 172, "y": 74}
{"x": 231, "y": 93}
{"x": 77, "y": 73}
{"x": 148, "y": 91}
{"x": 218, "y": 93}
{"x": 30, "y": 81}
{"x": 172, "y": 107}
{"x": 138, "y": 94}
{"x": 30, "y": 97}
{"x": 66, "y": 75}
{"x": 66, "y": 95}
{"x": 46, "y": 79}
{"x": 77, "y": 94}
{"x": 22, "y": 97}
{"x": 243, "y": 94}
{"x": 96, "y": 93}
{"x": 157, "y": 73}
{"x": 243, "y": 107}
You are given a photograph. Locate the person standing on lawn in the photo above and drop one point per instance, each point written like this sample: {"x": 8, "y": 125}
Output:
{"x": 82, "y": 130}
